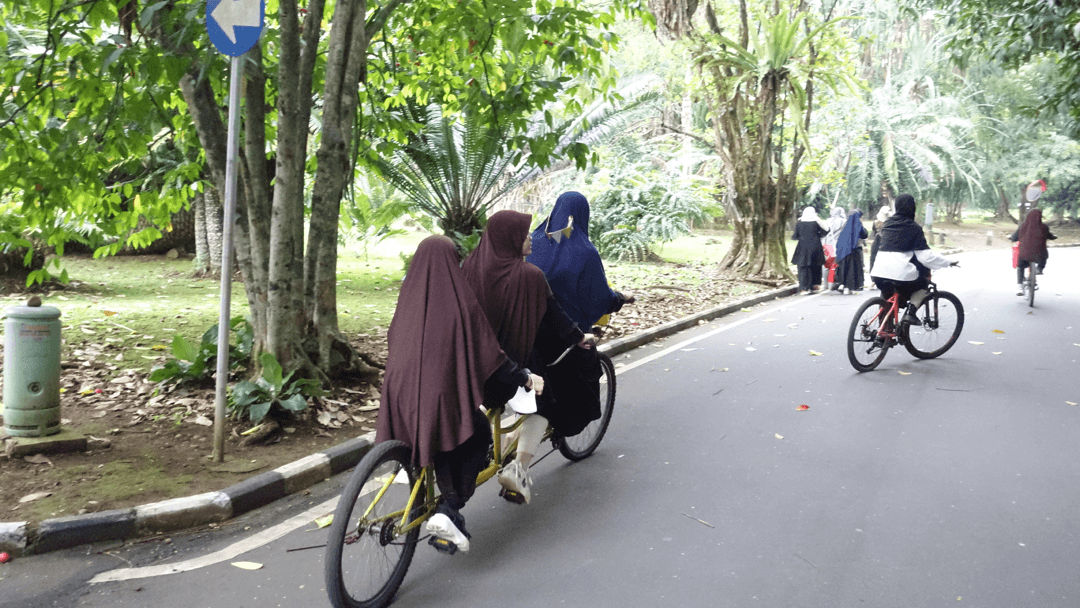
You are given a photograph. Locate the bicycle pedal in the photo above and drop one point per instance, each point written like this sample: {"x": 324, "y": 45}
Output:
{"x": 512, "y": 496}
{"x": 442, "y": 545}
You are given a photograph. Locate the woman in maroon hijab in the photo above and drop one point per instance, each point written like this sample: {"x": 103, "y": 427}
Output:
{"x": 1032, "y": 234}
{"x": 530, "y": 325}
{"x": 443, "y": 359}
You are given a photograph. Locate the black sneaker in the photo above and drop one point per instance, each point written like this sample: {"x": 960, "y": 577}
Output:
{"x": 911, "y": 319}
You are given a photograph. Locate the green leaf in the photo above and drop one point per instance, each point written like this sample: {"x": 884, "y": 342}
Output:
{"x": 295, "y": 403}
{"x": 271, "y": 370}
{"x": 245, "y": 392}
{"x": 259, "y": 411}
{"x": 183, "y": 350}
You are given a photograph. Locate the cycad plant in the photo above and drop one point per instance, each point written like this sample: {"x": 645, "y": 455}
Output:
{"x": 456, "y": 167}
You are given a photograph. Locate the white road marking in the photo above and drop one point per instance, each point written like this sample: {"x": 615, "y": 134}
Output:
{"x": 243, "y": 546}
{"x": 667, "y": 351}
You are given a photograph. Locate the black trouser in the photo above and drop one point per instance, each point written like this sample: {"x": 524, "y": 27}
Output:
{"x": 809, "y": 276}
{"x": 456, "y": 470}
{"x": 1022, "y": 264}
{"x": 904, "y": 288}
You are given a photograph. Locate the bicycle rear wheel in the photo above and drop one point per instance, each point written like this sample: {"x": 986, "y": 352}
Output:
{"x": 865, "y": 348}
{"x": 942, "y": 317}
{"x": 1033, "y": 269}
{"x": 366, "y": 555}
{"x": 583, "y": 444}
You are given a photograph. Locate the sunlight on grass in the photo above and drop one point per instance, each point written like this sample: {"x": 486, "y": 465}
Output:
{"x": 705, "y": 248}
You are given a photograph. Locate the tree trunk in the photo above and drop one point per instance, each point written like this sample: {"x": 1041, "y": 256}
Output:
{"x": 213, "y": 227}
{"x": 202, "y": 247}
{"x": 285, "y": 314}
{"x": 1002, "y": 211}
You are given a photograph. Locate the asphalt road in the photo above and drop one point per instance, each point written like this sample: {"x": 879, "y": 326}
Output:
{"x": 925, "y": 483}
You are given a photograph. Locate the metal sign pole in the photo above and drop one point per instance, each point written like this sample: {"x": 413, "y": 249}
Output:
{"x": 235, "y": 78}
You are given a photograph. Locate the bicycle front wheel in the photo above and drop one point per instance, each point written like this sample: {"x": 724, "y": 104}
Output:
{"x": 942, "y": 317}
{"x": 865, "y": 346}
{"x": 367, "y": 554}
{"x": 1033, "y": 269}
{"x": 583, "y": 444}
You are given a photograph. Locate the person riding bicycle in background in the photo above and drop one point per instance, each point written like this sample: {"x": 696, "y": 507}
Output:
{"x": 1032, "y": 234}
{"x": 902, "y": 257}
{"x": 521, "y": 308}
{"x": 443, "y": 362}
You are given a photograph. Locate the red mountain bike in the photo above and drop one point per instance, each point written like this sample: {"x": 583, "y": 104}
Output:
{"x": 877, "y": 327}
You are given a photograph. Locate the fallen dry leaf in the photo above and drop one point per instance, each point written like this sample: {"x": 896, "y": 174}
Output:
{"x": 750, "y": 349}
{"x": 248, "y": 565}
{"x": 108, "y": 313}
{"x": 203, "y": 421}
{"x": 324, "y": 418}
{"x": 904, "y": 373}
{"x": 976, "y": 343}
{"x": 324, "y": 521}
{"x": 1071, "y": 402}
{"x": 802, "y": 408}
{"x": 997, "y": 331}
{"x": 34, "y": 496}
{"x": 998, "y": 352}
{"x": 159, "y": 347}
{"x": 815, "y": 353}
{"x": 778, "y": 435}
{"x": 37, "y": 459}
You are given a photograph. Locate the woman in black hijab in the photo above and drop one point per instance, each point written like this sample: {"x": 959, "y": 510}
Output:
{"x": 809, "y": 255}
{"x": 443, "y": 361}
{"x": 902, "y": 257}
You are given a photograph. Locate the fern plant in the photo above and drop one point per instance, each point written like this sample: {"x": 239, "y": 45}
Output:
{"x": 630, "y": 216}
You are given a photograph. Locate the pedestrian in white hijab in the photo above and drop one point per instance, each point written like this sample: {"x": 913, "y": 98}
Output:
{"x": 810, "y": 215}
{"x": 835, "y": 224}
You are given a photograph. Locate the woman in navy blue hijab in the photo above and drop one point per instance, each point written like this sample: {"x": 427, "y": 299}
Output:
{"x": 849, "y": 254}
{"x": 561, "y": 248}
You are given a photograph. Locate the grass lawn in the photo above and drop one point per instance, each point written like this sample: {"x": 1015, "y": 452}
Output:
{"x": 132, "y": 306}
{"x": 706, "y": 248}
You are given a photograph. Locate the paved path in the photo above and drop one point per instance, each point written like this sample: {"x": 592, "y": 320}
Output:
{"x": 924, "y": 483}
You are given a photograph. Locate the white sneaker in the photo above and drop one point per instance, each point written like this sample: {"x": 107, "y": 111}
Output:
{"x": 1020, "y": 289}
{"x": 847, "y": 291}
{"x": 440, "y": 525}
{"x": 515, "y": 478}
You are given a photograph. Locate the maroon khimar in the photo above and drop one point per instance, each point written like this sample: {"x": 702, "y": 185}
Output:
{"x": 512, "y": 291}
{"x": 1033, "y": 234}
{"x": 441, "y": 351}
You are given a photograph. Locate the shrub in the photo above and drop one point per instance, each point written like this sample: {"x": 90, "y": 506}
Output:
{"x": 628, "y": 217}
{"x": 271, "y": 393}
{"x": 194, "y": 364}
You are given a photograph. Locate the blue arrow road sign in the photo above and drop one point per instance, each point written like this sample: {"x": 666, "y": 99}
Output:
{"x": 234, "y": 26}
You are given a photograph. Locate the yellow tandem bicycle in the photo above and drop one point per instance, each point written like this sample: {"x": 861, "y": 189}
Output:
{"x": 386, "y": 501}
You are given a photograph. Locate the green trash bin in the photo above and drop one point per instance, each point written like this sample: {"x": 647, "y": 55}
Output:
{"x": 32, "y": 371}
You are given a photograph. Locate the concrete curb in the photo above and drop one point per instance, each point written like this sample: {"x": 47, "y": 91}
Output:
{"x": 617, "y": 347}
{"x": 23, "y": 537}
